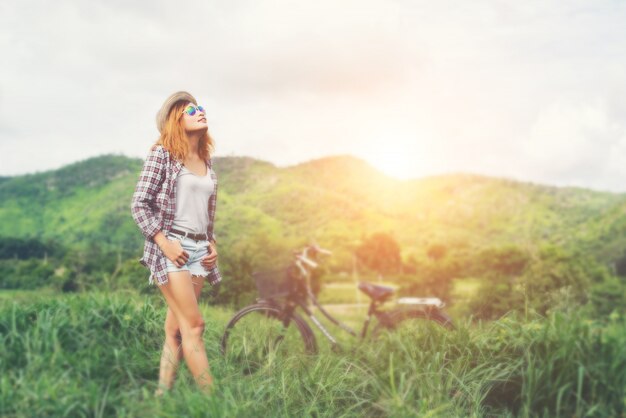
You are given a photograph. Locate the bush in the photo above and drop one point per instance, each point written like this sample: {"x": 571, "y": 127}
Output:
{"x": 25, "y": 274}
{"x": 607, "y": 297}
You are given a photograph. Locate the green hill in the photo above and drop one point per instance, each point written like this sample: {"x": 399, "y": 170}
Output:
{"x": 265, "y": 211}
{"x": 334, "y": 199}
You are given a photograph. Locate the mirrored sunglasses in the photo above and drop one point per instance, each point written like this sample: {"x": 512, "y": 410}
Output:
{"x": 191, "y": 110}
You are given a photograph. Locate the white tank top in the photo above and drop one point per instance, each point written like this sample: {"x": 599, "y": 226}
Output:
{"x": 192, "y": 201}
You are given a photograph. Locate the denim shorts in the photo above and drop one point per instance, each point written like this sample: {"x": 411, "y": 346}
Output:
{"x": 196, "y": 250}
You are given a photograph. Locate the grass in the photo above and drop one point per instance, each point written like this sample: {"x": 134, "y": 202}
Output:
{"x": 98, "y": 355}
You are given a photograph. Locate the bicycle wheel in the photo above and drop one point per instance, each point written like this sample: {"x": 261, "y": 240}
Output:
{"x": 257, "y": 337}
{"x": 413, "y": 321}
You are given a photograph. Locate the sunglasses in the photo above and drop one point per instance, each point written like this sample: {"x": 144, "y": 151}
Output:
{"x": 191, "y": 110}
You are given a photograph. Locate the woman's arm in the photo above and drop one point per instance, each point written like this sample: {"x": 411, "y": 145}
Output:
{"x": 150, "y": 180}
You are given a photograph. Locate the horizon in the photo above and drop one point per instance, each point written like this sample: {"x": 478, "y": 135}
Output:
{"x": 435, "y": 175}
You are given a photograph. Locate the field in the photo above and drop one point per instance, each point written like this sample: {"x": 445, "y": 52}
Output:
{"x": 97, "y": 355}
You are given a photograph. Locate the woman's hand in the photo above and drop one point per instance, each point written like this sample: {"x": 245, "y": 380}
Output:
{"x": 209, "y": 260}
{"x": 173, "y": 250}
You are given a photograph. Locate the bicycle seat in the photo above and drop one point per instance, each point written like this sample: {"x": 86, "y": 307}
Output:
{"x": 376, "y": 292}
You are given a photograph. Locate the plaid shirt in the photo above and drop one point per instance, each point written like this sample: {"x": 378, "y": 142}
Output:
{"x": 154, "y": 205}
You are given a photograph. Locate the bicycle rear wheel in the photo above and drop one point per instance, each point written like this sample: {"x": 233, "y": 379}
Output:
{"x": 413, "y": 321}
{"x": 257, "y": 336}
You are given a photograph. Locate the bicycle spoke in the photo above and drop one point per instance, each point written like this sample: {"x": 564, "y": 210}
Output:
{"x": 258, "y": 339}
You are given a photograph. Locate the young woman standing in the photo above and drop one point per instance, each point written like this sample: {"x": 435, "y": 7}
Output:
{"x": 174, "y": 206}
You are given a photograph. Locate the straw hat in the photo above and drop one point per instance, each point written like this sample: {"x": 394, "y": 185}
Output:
{"x": 162, "y": 114}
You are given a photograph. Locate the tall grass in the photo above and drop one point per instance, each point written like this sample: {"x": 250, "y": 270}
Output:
{"x": 98, "y": 355}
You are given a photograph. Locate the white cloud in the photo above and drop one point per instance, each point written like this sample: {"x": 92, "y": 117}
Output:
{"x": 575, "y": 143}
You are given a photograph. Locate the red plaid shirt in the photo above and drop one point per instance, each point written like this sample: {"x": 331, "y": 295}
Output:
{"x": 154, "y": 205}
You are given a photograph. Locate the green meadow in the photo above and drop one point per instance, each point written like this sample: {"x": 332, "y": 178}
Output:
{"x": 97, "y": 355}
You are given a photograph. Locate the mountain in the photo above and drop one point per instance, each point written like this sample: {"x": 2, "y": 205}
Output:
{"x": 336, "y": 200}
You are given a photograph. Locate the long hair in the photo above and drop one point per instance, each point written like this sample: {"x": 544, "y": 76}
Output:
{"x": 173, "y": 135}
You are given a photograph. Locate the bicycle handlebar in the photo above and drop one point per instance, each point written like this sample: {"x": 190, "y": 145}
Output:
{"x": 302, "y": 257}
{"x": 323, "y": 251}
{"x": 306, "y": 260}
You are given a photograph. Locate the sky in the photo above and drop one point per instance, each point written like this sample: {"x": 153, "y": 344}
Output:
{"x": 529, "y": 90}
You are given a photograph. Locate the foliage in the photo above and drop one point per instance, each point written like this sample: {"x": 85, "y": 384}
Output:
{"x": 381, "y": 253}
{"x": 551, "y": 279}
{"x": 25, "y": 274}
{"x": 25, "y": 248}
{"x": 239, "y": 290}
{"x": 608, "y": 297}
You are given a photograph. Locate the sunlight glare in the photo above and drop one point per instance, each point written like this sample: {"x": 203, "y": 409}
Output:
{"x": 397, "y": 158}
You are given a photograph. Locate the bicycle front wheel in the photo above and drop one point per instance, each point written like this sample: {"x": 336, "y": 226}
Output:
{"x": 258, "y": 336}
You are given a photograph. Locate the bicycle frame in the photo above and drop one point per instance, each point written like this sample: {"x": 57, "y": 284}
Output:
{"x": 292, "y": 303}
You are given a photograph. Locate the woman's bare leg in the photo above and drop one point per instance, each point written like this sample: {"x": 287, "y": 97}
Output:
{"x": 172, "y": 348}
{"x": 181, "y": 298}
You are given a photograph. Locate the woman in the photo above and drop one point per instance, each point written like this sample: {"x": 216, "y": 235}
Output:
{"x": 174, "y": 207}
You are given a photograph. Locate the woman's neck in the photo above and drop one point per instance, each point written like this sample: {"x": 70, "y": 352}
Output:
{"x": 193, "y": 141}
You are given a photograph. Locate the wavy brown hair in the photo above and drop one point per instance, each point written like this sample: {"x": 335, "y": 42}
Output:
{"x": 173, "y": 135}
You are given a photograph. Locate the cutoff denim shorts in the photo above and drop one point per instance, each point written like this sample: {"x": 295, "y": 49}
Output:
{"x": 196, "y": 249}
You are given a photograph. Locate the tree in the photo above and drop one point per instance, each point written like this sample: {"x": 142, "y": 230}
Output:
{"x": 239, "y": 288}
{"x": 381, "y": 253}
{"x": 436, "y": 251}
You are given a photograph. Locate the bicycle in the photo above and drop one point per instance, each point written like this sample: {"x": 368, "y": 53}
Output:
{"x": 272, "y": 328}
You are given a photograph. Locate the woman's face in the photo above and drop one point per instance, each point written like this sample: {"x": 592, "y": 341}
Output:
{"x": 195, "y": 122}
